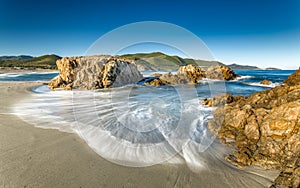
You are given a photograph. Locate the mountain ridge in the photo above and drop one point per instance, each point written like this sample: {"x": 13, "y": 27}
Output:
{"x": 144, "y": 61}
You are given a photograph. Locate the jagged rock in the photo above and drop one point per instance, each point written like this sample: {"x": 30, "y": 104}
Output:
{"x": 293, "y": 79}
{"x": 169, "y": 78}
{"x": 266, "y": 82}
{"x": 94, "y": 72}
{"x": 220, "y": 73}
{"x": 155, "y": 82}
{"x": 264, "y": 128}
{"x": 191, "y": 72}
{"x": 220, "y": 100}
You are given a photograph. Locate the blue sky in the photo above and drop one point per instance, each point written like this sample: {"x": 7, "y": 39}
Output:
{"x": 264, "y": 33}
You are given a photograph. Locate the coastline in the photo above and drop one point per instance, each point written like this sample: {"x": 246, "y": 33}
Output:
{"x": 16, "y": 70}
{"x": 34, "y": 157}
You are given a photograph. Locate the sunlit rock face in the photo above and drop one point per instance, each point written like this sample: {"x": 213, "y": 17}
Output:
{"x": 94, "y": 72}
{"x": 264, "y": 128}
{"x": 266, "y": 82}
{"x": 192, "y": 74}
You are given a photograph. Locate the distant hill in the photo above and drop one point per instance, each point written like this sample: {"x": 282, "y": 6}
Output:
{"x": 144, "y": 61}
{"x": 272, "y": 68}
{"x": 19, "y": 57}
{"x": 43, "y": 62}
{"x": 243, "y": 67}
{"x": 160, "y": 61}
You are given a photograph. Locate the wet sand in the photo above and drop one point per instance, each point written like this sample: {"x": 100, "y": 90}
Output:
{"x": 34, "y": 157}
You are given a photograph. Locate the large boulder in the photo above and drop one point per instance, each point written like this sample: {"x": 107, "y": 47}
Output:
{"x": 264, "y": 128}
{"x": 220, "y": 73}
{"x": 94, "y": 72}
{"x": 191, "y": 72}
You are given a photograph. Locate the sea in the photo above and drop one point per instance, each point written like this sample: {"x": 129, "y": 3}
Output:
{"x": 140, "y": 126}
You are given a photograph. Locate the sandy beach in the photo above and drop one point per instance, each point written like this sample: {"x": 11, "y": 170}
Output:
{"x": 35, "y": 157}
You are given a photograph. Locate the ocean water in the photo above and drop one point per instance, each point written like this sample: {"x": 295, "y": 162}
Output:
{"x": 27, "y": 76}
{"x": 140, "y": 126}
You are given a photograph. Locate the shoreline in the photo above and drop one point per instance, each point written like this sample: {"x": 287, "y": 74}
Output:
{"x": 16, "y": 70}
{"x": 35, "y": 157}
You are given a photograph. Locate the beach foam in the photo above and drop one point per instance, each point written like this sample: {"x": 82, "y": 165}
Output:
{"x": 139, "y": 126}
{"x": 272, "y": 85}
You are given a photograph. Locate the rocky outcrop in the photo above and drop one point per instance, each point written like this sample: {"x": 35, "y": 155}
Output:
{"x": 293, "y": 79}
{"x": 168, "y": 79}
{"x": 193, "y": 74}
{"x": 266, "y": 82}
{"x": 221, "y": 100}
{"x": 94, "y": 72}
{"x": 220, "y": 73}
{"x": 265, "y": 129}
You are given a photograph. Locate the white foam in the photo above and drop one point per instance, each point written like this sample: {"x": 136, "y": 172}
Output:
{"x": 136, "y": 126}
{"x": 149, "y": 73}
{"x": 272, "y": 85}
{"x": 244, "y": 77}
{"x": 12, "y": 74}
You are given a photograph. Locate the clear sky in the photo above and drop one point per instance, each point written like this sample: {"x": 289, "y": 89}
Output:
{"x": 265, "y": 33}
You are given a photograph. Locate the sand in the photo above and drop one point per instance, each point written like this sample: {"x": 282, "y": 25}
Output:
{"x": 34, "y": 157}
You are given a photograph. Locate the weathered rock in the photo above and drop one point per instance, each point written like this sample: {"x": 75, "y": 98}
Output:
{"x": 266, "y": 82}
{"x": 264, "y": 128}
{"x": 168, "y": 79}
{"x": 220, "y": 73}
{"x": 155, "y": 82}
{"x": 220, "y": 100}
{"x": 94, "y": 72}
{"x": 293, "y": 79}
{"x": 191, "y": 72}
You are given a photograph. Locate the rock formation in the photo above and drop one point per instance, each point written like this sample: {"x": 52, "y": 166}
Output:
{"x": 264, "y": 128}
{"x": 221, "y": 100}
{"x": 266, "y": 82}
{"x": 220, "y": 73}
{"x": 193, "y": 74}
{"x": 94, "y": 72}
{"x": 293, "y": 79}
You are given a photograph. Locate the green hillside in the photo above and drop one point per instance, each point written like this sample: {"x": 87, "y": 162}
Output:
{"x": 144, "y": 61}
{"x": 43, "y": 62}
{"x": 160, "y": 61}
{"x": 243, "y": 67}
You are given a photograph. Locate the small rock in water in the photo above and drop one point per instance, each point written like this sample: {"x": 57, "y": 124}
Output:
{"x": 266, "y": 82}
{"x": 192, "y": 74}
